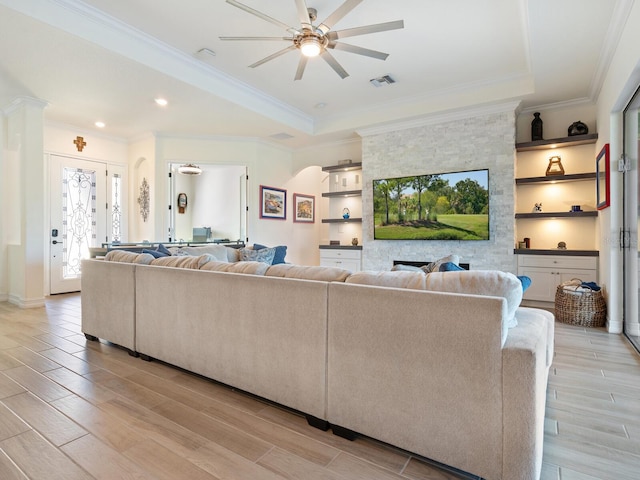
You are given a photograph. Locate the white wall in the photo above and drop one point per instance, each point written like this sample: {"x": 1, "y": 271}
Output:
{"x": 621, "y": 81}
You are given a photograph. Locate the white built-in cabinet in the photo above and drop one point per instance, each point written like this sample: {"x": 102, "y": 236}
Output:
{"x": 545, "y": 263}
{"x": 548, "y": 271}
{"x": 342, "y": 214}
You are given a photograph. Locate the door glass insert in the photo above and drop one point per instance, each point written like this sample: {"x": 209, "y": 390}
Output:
{"x": 116, "y": 208}
{"x": 78, "y": 218}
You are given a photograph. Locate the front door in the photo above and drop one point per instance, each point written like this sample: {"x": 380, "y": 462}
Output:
{"x": 78, "y": 217}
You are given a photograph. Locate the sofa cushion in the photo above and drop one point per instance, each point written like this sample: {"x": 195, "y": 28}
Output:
{"x": 397, "y": 279}
{"x": 124, "y": 256}
{"x": 218, "y": 252}
{"x": 183, "y": 261}
{"x": 278, "y": 258}
{"x": 264, "y": 255}
{"x": 324, "y": 274}
{"x": 251, "y": 268}
{"x": 481, "y": 282}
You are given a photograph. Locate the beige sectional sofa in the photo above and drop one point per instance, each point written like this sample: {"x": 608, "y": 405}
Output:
{"x": 391, "y": 355}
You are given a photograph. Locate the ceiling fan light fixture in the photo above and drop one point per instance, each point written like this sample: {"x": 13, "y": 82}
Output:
{"x": 310, "y": 46}
{"x": 189, "y": 169}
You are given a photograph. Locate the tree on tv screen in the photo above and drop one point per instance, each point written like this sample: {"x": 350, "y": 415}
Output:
{"x": 432, "y": 207}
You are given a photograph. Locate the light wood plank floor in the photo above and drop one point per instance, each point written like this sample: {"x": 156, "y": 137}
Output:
{"x": 72, "y": 409}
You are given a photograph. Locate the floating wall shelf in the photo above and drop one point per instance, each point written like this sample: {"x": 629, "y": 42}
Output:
{"x": 557, "y": 142}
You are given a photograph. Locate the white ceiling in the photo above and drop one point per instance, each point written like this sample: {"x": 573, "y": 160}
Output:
{"x": 108, "y": 59}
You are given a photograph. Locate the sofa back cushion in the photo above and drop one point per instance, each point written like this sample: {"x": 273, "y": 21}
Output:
{"x": 396, "y": 279}
{"x": 217, "y": 252}
{"x": 480, "y": 282}
{"x": 124, "y": 256}
{"x": 324, "y": 274}
{"x": 184, "y": 261}
{"x": 251, "y": 268}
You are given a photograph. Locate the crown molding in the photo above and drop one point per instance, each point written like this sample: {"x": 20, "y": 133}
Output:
{"x": 576, "y": 102}
{"x": 621, "y": 13}
{"x": 24, "y": 101}
{"x": 459, "y": 97}
{"x": 442, "y": 117}
{"x": 89, "y": 23}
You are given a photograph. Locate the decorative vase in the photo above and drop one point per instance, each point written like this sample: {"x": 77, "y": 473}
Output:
{"x": 536, "y": 127}
{"x": 354, "y": 241}
{"x": 346, "y": 213}
{"x": 577, "y": 128}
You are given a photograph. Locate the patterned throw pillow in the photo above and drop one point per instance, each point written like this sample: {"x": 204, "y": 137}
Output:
{"x": 435, "y": 266}
{"x": 264, "y": 255}
{"x": 281, "y": 252}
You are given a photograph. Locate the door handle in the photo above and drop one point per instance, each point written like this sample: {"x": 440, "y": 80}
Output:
{"x": 55, "y": 242}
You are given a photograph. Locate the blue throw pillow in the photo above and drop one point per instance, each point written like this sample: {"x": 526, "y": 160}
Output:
{"x": 526, "y": 282}
{"x": 450, "y": 267}
{"x": 162, "y": 249}
{"x": 155, "y": 253}
{"x": 281, "y": 252}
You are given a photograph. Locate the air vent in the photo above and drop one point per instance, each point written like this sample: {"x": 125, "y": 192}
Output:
{"x": 381, "y": 81}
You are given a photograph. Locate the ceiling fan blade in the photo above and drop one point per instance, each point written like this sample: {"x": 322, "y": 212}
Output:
{"x": 272, "y": 56}
{"x": 378, "y": 27}
{"x": 338, "y": 15}
{"x": 334, "y": 64}
{"x": 301, "y": 66}
{"x": 261, "y": 15}
{"x": 257, "y": 38}
{"x": 359, "y": 50}
{"x": 303, "y": 13}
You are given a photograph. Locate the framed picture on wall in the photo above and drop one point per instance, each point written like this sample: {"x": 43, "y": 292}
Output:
{"x": 304, "y": 207}
{"x": 273, "y": 203}
{"x": 603, "y": 197}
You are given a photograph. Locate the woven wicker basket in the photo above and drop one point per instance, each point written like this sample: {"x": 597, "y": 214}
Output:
{"x": 580, "y": 307}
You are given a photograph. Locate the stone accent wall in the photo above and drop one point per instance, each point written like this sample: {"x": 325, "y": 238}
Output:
{"x": 478, "y": 142}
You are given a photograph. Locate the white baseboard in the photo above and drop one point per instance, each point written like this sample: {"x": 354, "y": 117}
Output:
{"x": 26, "y": 303}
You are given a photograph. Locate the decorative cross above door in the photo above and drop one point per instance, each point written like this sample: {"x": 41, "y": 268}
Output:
{"x": 80, "y": 143}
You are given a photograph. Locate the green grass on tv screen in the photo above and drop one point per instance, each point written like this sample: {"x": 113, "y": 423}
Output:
{"x": 448, "y": 206}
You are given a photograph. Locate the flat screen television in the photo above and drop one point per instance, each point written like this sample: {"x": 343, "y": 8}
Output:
{"x": 444, "y": 206}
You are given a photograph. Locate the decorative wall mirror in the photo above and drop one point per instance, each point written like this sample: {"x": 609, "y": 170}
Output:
{"x": 602, "y": 178}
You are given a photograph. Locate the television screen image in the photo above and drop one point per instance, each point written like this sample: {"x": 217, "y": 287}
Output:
{"x": 444, "y": 206}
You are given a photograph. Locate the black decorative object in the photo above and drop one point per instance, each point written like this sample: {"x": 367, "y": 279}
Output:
{"x": 578, "y": 128}
{"x": 536, "y": 127}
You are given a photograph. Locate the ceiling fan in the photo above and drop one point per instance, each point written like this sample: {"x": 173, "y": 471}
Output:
{"x": 315, "y": 40}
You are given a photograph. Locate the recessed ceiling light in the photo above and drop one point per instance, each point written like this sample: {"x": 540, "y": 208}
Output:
{"x": 320, "y": 105}
{"x": 162, "y": 102}
{"x": 100, "y": 124}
